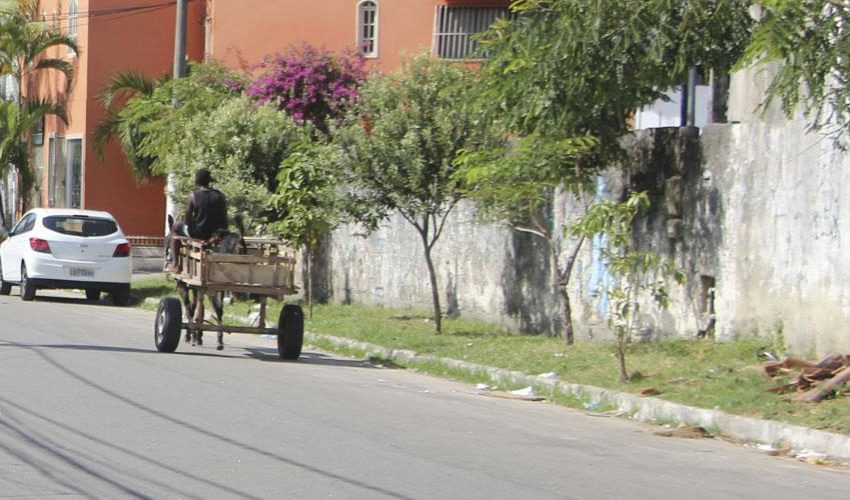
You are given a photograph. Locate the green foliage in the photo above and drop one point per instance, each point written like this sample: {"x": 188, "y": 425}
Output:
{"x": 810, "y": 41}
{"x": 571, "y": 68}
{"x": 121, "y": 87}
{"x": 634, "y": 271}
{"x": 154, "y": 122}
{"x": 515, "y": 182}
{"x": 399, "y": 147}
{"x": 307, "y": 198}
{"x": 400, "y": 144}
{"x": 243, "y": 146}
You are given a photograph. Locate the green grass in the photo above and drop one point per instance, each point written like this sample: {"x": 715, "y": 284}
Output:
{"x": 703, "y": 373}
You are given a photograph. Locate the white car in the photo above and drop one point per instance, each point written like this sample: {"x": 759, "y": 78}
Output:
{"x": 67, "y": 248}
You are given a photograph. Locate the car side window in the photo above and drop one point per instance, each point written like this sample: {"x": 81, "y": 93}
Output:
{"x": 24, "y": 225}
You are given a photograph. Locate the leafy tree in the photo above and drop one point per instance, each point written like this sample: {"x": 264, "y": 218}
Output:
{"x": 634, "y": 271}
{"x": 243, "y": 145}
{"x": 809, "y": 40}
{"x": 516, "y": 185}
{"x": 398, "y": 151}
{"x": 307, "y": 203}
{"x": 310, "y": 84}
{"x": 570, "y": 68}
{"x": 122, "y": 87}
{"x": 154, "y": 122}
{"x": 563, "y": 70}
{"x": 16, "y": 124}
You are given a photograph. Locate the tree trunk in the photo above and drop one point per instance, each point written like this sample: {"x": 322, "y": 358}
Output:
{"x": 562, "y": 281}
{"x": 621, "y": 357}
{"x": 435, "y": 292}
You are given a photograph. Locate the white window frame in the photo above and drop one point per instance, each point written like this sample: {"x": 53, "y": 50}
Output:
{"x": 364, "y": 6}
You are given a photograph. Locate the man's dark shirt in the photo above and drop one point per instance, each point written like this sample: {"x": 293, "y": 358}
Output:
{"x": 210, "y": 213}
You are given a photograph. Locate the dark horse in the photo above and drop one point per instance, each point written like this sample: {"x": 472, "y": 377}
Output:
{"x": 222, "y": 241}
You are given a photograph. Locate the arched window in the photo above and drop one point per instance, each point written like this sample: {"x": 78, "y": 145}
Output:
{"x": 367, "y": 28}
{"x": 72, "y": 22}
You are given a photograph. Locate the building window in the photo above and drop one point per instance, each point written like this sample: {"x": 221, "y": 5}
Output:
{"x": 367, "y": 28}
{"x": 72, "y": 24}
{"x": 456, "y": 27}
{"x": 74, "y": 174}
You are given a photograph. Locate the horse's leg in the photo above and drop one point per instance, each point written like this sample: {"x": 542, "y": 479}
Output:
{"x": 217, "y": 300}
{"x": 188, "y": 307}
{"x": 199, "y": 318}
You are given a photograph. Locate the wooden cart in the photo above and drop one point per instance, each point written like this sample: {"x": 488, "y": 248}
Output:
{"x": 265, "y": 269}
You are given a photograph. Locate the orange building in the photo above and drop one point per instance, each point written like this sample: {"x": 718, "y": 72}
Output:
{"x": 121, "y": 35}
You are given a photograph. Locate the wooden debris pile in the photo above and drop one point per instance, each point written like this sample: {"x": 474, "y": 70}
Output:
{"x": 812, "y": 380}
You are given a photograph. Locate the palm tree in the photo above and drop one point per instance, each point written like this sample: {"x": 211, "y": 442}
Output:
{"x": 123, "y": 86}
{"x": 16, "y": 124}
{"x": 23, "y": 43}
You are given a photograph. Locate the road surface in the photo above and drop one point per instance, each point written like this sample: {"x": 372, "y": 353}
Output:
{"x": 89, "y": 409}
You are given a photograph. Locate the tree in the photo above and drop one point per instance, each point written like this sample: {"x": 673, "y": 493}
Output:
{"x": 634, "y": 271}
{"x": 16, "y": 124}
{"x": 23, "y": 43}
{"x": 563, "y": 69}
{"x": 309, "y": 84}
{"x": 243, "y": 145}
{"x": 809, "y": 40}
{"x": 307, "y": 202}
{"x": 398, "y": 150}
{"x": 151, "y": 121}
{"x": 122, "y": 87}
{"x": 516, "y": 184}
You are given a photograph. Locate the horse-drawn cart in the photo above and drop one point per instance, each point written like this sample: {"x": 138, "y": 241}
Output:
{"x": 264, "y": 268}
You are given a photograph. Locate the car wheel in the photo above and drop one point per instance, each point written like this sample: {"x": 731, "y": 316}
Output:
{"x": 290, "y": 332}
{"x": 27, "y": 286}
{"x": 121, "y": 296}
{"x": 5, "y": 287}
{"x": 92, "y": 294}
{"x": 167, "y": 326}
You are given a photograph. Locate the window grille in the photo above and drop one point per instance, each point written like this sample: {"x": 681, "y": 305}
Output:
{"x": 367, "y": 28}
{"x": 456, "y": 26}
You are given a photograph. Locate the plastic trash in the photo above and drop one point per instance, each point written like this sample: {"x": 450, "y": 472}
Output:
{"x": 482, "y": 387}
{"x": 548, "y": 375}
{"x": 525, "y": 391}
{"x": 591, "y": 406}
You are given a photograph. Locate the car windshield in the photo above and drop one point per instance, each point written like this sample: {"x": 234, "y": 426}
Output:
{"x": 78, "y": 225}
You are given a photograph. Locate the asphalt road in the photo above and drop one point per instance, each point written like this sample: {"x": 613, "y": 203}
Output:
{"x": 89, "y": 409}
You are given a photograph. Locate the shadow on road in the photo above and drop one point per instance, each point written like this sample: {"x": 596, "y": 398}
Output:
{"x": 309, "y": 358}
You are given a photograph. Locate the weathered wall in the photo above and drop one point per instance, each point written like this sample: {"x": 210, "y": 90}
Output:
{"x": 756, "y": 213}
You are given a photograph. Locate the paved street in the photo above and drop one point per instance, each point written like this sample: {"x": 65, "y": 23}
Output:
{"x": 89, "y": 409}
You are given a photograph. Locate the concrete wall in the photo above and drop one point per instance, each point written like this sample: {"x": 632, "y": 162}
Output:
{"x": 756, "y": 213}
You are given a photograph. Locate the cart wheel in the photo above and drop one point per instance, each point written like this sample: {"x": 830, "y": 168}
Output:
{"x": 167, "y": 326}
{"x": 290, "y": 332}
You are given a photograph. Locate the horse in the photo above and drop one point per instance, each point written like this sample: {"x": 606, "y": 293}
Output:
{"x": 222, "y": 241}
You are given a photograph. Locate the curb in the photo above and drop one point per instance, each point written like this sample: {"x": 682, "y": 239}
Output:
{"x": 644, "y": 409}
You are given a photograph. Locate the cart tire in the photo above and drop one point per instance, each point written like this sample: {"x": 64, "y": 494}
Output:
{"x": 167, "y": 325}
{"x": 290, "y": 332}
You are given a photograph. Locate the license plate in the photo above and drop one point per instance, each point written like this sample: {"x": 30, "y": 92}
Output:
{"x": 81, "y": 272}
